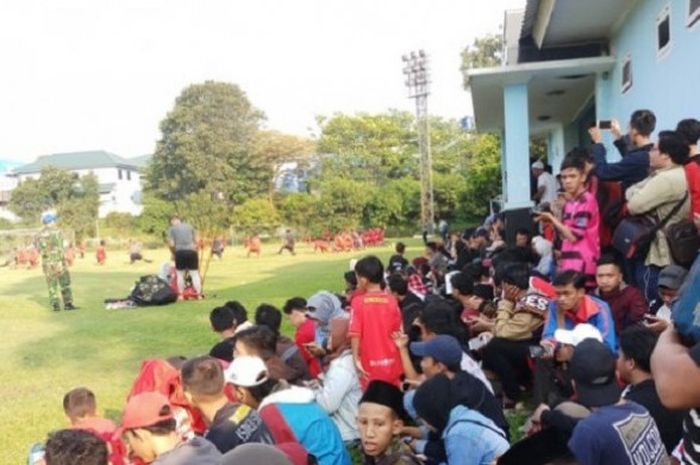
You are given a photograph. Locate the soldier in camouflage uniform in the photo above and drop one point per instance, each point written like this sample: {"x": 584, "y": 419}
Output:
{"x": 53, "y": 263}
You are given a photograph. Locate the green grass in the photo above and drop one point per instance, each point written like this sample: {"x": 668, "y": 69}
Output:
{"x": 44, "y": 354}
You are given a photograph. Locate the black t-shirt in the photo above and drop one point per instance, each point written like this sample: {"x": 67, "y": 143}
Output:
{"x": 236, "y": 424}
{"x": 691, "y": 422}
{"x": 397, "y": 263}
{"x": 669, "y": 422}
{"x": 224, "y": 350}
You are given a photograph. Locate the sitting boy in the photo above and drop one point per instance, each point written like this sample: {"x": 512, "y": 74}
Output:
{"x": 73, "y": 447}
{"x": 380, "y": 421}
{"x": 226, "y": 321}
{"x": 229, "y": 424}
{"x": 149, "y": 428}
{"x": 80, "y": 407}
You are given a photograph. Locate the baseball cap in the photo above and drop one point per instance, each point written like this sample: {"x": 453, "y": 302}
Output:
{"x": 538, "y": 165}
{"x": 672, "y": 277}
{"x": 593, "y": 369}
{"x": 443, "y": 348}
{"x": 581, "y": 332}
{"x": 146, "y": 409}
{"x": 246, "y": 371}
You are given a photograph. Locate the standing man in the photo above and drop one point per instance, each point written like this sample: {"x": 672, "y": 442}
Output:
{"x": 546, "y": 184}
{"x": 182, "y": 240}
{"x": 53, "y": 263}
{"x": 289, "y": 242}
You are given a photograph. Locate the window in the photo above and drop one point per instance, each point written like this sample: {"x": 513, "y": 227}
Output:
{"x": 626, "y": 74}
{"x": 693, "y": 12}
{"x": 128, "y": 175}
{"x": 120, "y": 174}
{"x": 663, "y": 32}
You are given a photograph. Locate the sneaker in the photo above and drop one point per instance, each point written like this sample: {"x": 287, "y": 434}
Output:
{"x": 56, "y": 308}
{"x": 70, "y": 306}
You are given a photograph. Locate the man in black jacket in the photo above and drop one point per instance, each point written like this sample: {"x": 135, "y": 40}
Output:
{"x": 634, "y": 165}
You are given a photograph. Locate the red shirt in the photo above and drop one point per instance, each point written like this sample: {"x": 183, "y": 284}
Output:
{"x": 306, "y": 334}
{"x": 375, "y": 316}
{"x": 692, "y": 174}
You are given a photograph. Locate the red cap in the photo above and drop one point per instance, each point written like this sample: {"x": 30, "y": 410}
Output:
{"x": 145, "y": 410}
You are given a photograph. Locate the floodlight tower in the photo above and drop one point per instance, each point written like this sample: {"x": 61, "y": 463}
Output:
{"x": 417, "y": 80}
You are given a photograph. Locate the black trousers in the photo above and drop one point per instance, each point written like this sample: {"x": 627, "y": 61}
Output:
{"x": 509, "y": 361}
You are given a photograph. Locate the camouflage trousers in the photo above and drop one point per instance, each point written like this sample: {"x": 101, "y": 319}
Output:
{"x": 59, "y": 287}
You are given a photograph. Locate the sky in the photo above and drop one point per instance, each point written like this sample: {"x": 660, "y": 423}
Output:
{"x": 102, "y": 74}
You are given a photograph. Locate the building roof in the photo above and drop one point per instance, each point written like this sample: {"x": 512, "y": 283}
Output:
{"x": 141, "y": 161}
{"x": 77, "y": 161}
{"x": 565, "y": 22}
{"x": 557, "y": 90}
{"x": 7, "y": 165}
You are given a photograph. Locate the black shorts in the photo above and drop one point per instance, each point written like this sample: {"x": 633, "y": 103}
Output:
{"x": 186, "y": 260}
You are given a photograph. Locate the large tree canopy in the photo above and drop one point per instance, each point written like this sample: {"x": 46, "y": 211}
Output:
{"x": 207, "y": 144}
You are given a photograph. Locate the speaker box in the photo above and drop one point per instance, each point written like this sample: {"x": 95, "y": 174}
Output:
{"x": 516, "y": 219}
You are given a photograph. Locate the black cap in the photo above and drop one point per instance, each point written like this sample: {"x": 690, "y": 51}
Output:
{"x": 593, "y": 369}
{"x": 386, "y": 394}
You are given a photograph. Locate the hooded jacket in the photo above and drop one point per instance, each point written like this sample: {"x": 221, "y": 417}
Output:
{"x": 590, "y": 310}
{"x": 627, "y": 305}
{"x": 197, "y": 450}
{"x": 340, "y": 395}
{"x": 292, "y": 415}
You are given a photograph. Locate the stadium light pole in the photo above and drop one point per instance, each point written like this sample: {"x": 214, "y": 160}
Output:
{"x": 418, "y": 80}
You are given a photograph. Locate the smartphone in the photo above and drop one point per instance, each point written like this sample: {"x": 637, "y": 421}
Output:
{"x": 536, "y": 351}
{"x": 604, "y": 124}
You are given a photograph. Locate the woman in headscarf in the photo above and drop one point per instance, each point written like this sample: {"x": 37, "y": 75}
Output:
{"x": 323, "y": 307}
{"x": 470, "y": 437}
{"x": 340, "y": 393}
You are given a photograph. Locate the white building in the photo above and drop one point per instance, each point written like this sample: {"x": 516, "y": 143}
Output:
{"x": 119, "y": 178}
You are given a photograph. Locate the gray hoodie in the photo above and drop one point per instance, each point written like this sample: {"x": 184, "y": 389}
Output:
{"x": 196, "y": 451}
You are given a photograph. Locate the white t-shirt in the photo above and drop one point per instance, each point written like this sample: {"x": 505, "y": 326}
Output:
{"x": 549, "y": 183}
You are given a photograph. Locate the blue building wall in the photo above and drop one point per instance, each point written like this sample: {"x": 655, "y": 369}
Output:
{"x": 668, "y": 85}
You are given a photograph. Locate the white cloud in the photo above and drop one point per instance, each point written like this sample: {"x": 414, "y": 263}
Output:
{"x": 100, "y": 74}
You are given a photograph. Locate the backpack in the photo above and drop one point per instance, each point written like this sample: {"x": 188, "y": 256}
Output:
{"x": 152, "y": 290}
{"x": 683, "y": 242}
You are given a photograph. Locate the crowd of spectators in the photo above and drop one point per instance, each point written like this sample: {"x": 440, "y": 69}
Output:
{"x": 422, "y": 360}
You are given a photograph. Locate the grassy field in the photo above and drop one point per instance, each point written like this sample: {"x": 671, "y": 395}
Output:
{"x": 44, "y": 354}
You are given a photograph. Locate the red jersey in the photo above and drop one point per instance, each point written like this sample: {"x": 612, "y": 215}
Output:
{"x": 692, "y": 174}
{"x": 101, "y": 255}
{"x": 375, "y": 316}
{"x": 306, "y": 334}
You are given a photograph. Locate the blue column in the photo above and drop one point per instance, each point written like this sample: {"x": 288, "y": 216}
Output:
{"x": 516, "y": 188}
{"x": 555, "y": 148}
{"x": 603, "y": 111}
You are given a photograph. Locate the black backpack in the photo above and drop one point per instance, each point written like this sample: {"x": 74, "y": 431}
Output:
{"x": 152, "y": 290}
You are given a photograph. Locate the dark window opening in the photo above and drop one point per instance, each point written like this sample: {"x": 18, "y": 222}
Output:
{"x": 663, "y": 33}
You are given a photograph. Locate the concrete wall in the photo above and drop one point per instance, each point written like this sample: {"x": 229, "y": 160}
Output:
{"x": 666, "y": 84}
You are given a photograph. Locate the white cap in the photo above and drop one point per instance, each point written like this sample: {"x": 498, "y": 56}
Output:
{"x": 246, "y": 371}
{"x": 538, "y": 165}
{"x": 574, "y": 336}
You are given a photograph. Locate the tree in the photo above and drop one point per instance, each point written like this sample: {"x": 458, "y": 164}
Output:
{"x": 75, "y": 199}
{"x": 343, "y": 201}
{"x": 274, "y": 148}
{"x": 368, "y": 147}
{"x": 483, "y": 175}
{"x": 485, "y": 52}
{"x": 256, "y": 215}
{"x": 300, "y": 210}
{"x": 156, "y": 214}
{"x": 207, "y": 144}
